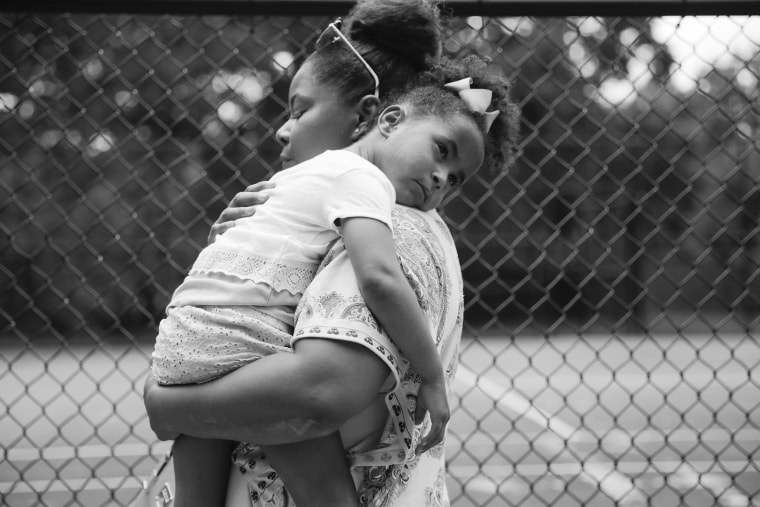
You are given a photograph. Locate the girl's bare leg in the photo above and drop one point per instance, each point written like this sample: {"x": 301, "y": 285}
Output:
{"x": 315, "y": 472}
{"x": 201, "y": 471}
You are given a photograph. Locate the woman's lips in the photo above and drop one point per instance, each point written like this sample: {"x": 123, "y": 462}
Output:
{"x": 425, "y": 191}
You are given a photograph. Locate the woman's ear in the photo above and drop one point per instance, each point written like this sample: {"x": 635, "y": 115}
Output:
{"x": 368, "y": 106}
{"x": 390, "y": 118}
{"x": 367, "y": 109}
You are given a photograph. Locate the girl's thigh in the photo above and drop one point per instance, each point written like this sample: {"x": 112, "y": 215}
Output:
{"x": 353, "y": 373}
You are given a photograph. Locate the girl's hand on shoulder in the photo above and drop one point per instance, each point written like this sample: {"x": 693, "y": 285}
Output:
{"x": 242, "y": 205}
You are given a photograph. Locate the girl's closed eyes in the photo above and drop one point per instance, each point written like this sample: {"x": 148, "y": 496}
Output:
{"x": 443, "y": 150}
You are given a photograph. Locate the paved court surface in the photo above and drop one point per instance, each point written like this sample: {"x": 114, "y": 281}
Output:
{"x": 663, "y": 422}
{"x": 596, "y": 421}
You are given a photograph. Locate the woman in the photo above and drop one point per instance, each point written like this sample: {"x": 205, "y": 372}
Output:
{"x": 429, "y": 258}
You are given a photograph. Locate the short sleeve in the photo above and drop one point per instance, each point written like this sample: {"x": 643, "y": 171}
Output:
{"x": 360, "y": 192}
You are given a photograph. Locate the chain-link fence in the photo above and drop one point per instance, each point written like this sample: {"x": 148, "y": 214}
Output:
{"x": 612, "y": 279}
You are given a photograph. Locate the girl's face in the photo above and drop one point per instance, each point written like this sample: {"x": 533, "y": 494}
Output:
{"x": 425, "y": 158}
{"x": 319, "y": 120}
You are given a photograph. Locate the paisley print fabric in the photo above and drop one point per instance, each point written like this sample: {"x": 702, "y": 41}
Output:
{"x": 332, "y": 307}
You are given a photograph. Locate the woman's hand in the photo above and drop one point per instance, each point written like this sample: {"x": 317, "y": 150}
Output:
{"x": 151, "y": 398}
{"x": 242, "y": 205}
{"x": 432, "y": 398}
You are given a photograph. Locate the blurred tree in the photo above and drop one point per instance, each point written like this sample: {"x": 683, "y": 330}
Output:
{"x": 126, "y": 139}
{"x": 123, "y": 137}
{"x": 596, "y": 175}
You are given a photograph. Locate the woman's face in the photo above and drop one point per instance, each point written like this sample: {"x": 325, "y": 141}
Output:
{"x": 319, "y": 119}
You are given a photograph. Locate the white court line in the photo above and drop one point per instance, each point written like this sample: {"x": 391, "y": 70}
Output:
{"x": 519, "y": 405}
{"x": 687, "y": 479}
{"x": 20, "y": 454}
{"x": 44, "y": 486}
{"x": 38, "y": 487}
{"x": 497, "y": 479}
{"x": 719, "y": 485}
{"x": 682, "y": 477}
{"x": 603, "y": 475}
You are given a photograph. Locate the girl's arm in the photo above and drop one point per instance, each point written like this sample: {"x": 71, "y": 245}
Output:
{"x": 370, "y": 246}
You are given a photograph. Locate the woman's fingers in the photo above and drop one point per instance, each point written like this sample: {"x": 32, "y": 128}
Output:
{"x": 227, "y": 218}
{"x": 259, "y": 186}
{"x": 251, "y": 196}
{"x": 232, "y": 214}
{"x": 242, "y": 205}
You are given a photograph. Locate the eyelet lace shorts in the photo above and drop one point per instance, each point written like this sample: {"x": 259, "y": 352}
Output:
{"x": 200, "y": 343}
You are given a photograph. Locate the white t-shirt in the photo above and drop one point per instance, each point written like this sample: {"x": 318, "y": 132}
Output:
{"x": 267, "y": 260}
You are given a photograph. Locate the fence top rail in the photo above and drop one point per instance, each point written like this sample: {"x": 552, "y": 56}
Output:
{"x": 537, "y": 8}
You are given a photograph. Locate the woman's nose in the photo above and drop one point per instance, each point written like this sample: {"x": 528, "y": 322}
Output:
{"x": 283, "y": 133}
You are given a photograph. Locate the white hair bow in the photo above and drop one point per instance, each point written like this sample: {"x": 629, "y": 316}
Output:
{"x": 477, "y": 99}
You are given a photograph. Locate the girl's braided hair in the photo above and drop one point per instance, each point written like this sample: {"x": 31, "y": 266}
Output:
{"x": 427, "y": 97}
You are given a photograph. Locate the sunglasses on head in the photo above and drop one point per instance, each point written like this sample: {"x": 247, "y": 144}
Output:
{"x": 333, "y": 34}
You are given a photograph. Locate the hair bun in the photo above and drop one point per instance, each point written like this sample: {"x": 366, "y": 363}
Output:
{"x": 408, "y": 27}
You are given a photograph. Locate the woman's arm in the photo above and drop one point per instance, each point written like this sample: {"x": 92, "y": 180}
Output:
{"x": 370, "y": 246}
{"x": 280, "y": 398}
{"x": 218, "y": 409}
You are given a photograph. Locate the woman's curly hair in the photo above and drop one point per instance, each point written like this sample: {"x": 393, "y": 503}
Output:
{"x": 428, "y": 97}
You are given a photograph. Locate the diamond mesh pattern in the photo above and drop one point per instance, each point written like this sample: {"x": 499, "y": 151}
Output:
{"x": 612, "y": 277}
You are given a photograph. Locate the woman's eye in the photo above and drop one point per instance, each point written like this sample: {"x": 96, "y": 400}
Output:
{"x": 453, "y": 180}
{"x": 294, "y": 115}
{"x": 443, "y": 150}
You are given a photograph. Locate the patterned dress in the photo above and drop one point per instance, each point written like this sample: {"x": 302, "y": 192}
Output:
{"x": 389, "y": 474}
